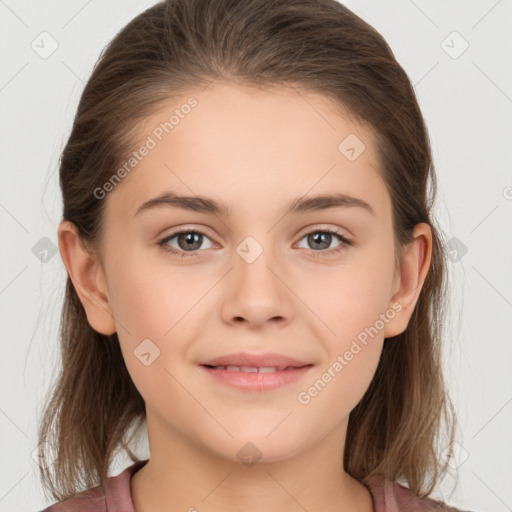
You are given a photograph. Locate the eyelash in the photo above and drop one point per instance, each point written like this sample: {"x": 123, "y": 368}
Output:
{"x": 321, "y": 253}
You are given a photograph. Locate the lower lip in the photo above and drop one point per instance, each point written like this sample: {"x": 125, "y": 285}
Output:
{"x": 255, "y": 381}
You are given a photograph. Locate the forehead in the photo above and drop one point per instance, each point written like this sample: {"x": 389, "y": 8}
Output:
{"x": 244, "y": 145}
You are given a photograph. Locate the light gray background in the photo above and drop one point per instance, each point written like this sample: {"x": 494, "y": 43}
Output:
{"x": 467, "y": 102}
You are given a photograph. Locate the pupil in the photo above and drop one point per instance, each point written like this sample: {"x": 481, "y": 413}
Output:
{"x": 321, "y": 237}
{"x": 189, "y": 239}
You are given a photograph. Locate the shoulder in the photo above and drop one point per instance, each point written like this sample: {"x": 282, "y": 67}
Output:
{"x": 115, "y": 496}
{"x": 391, "y": 496}
{"x": 92, "y": 500}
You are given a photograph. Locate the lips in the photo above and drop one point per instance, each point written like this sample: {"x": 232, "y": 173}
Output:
{"x": 255, "y": 372}
{"x": 252, "y": 369}
{"x": 243, "y": 361}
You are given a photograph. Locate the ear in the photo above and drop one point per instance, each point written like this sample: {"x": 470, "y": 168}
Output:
{"x": 88, "y": 278}
{"x": 408, "y": 282}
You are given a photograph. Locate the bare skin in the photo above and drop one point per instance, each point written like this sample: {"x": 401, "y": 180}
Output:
{"x": 255, "y": 151}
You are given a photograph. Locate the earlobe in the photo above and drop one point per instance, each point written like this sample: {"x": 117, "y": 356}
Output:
{"x": 85, "y": 271}
{"x": 414, "y": 266}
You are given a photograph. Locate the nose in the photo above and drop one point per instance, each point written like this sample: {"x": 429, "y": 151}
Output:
{"x": 256, "y": 293}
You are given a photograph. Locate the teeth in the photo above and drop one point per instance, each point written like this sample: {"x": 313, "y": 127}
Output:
{"x": 247, "y": 369}
{"x": 252, "y": 369}
{"x": 267, "y": 369}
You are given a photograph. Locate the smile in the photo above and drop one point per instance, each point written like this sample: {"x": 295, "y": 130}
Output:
{"x": 253, "y": 369}
{"x": 256, "y": 378}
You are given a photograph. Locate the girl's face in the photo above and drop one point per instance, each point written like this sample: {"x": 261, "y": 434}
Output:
{"x": 254, "y": 270}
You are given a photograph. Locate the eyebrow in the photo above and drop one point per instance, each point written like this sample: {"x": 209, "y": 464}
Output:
{"x": 299, "y": 205}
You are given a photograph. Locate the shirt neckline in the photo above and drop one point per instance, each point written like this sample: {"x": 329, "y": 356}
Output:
{"x": 381, "y": 490}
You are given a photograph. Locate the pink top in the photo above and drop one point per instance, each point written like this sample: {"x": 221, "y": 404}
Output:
{"x": 387, "y": 496}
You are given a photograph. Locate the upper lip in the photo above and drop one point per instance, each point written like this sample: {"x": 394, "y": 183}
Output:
{"x": 254, "y": 360}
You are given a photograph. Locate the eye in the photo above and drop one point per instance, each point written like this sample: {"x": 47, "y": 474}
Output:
{"x": 190, "y": 241}
{"x": 322, "y": 238}
{"x": 187, "y": 240}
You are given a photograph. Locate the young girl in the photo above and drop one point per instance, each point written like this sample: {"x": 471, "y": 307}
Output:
{"x": 253, "y": 270}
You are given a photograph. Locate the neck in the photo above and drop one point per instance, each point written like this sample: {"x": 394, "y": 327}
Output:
{"x": 181, "y": 476}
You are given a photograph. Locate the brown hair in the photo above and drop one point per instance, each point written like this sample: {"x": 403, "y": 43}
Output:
{"x": 319, "y": 46}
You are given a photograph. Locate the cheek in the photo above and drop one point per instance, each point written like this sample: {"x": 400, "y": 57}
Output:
{"x": 149, "y": 299}
{"x": 352, "y": 297}
{"x": 158, "y": 304}
{"x": 339, "y": 385}
{"x": 356, "y": 308}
